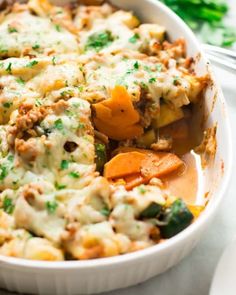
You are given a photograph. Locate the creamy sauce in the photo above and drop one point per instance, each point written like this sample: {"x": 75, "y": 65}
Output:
{"x": 186, "y": 184}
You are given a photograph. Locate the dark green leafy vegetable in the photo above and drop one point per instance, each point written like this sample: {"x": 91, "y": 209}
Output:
{"x": 101, "y": 157}
{"x": 175, "y": 219}
{"x": 98, "y": 41}
{"x": 207, "y": 17}
{"x": 152, "y": 211}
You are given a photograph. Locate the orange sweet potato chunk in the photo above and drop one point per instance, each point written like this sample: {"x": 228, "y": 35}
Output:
{"x": 137, "y": 166}
{"x": 123, "y": 165}
{"x": 116, "y": 117}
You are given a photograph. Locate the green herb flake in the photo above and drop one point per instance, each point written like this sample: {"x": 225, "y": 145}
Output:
{"x": 105, "y": 211}
{"x": 64, "y": 164}
{"x": 144, "y": 86}
{"x": 36, "y": 46}
{"x": 10, "y": 158}
{"x": 74, "y": 174}
{"x": 12, "y": 29}
{"x": 80, "y": 88}
{"x": 51, "y": 206}
{"x": 8, "y": 206}
{"x": 136, "y": 65}
{"x": 176, "y": 81}
{"x": 38, "y": 102}
{"x": 58, "y": 28}
{"x": 81, "y": 126}
{"x": 20, "y": 81}
{"x": 142, "y": 189}
{"x": 159, "y": 67}
{"x": 7, "y": 104}
{"x": 54, "y": 60}
{"x": 98, "y": 41}
{"x": 152, "y": 80}
{"x": 32, "y": 63}
{"x": 8, "y": 69}
{"x": 67, "y": 93}
{"x": 60, "y": 186}
{"x": 58, "y": 124}
{"x": 134, "y": 38}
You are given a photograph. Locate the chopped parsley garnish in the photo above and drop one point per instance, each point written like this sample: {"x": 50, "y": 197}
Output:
{"x": 80, "y": 88}
{"x": 152, "y": 80}
{"x": 136, "y": 65}
{"x": 105, "y": 211}
{"x": 38, "y": 102}
{"x": 12, "y": 29}
{"x": 141, "y": 189}
{"x": 51, "y": 206}
{"x": 10, "y": 158}
{"x": 8, "y": 69}
{"x": 32, "y": 63}
{"x": 81, "y": 125}
{"x": 101, "y": 156}
{"x": 159, "y": 67}
{"x": 20, "y": 81}
{"x": 58, "y": 28}
{"x": 36, "y": 46}
{"x": 67, "y": 93}
{"x": 54, "y": 60}
{"x": 176, "y": 81}
{"x": 8, "y": 206}
{"x": 134, "y": 38}
{"x": 98, "y": 41}
{"x": 64, "y": 164}
{"x": 58, "y": 124}
{"x": 7, "y": 105}
{"x": 74, "y": 174}
{"x": 60, "y": 186}
{"x": 143, "y": 85}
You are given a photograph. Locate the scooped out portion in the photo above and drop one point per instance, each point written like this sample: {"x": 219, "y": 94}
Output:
{"x": 98, "y": 116}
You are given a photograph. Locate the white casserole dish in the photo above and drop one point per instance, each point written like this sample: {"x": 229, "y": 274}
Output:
{"x": 94, "y": 276}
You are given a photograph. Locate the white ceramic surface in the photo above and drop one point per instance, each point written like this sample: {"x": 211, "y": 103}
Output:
{"x": 106, "y": 274}
{"x": 224, "y": 278}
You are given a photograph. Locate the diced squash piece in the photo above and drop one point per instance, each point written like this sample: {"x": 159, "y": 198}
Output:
{"x": 195, "y": 210}
{"x": 168, "y": 115}
{"x": 129, "y": 132}
{"x": 147, "y": 139}
{"x": 116, "y": 117}
{"x": 160, "y": 164}
{"x": 124, "y": 164}
{"x": 117, "y": 110}
{"x": 137, "y": 166}
{"x": 127, "y": 18}
{"x": 152, "y": 31}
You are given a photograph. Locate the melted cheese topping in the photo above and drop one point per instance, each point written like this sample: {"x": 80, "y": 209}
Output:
{"x": 55, "y": 63}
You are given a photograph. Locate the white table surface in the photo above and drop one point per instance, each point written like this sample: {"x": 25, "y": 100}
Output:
{"x": 194, "y": 274}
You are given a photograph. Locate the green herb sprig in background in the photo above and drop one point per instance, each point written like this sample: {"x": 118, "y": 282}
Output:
{"x": 206, "y": 17}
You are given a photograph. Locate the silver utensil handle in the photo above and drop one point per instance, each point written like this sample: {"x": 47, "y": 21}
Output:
{"x": 222, "y": 57}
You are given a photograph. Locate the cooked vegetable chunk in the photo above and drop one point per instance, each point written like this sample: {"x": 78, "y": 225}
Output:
{"x": 151, "y": 211}
{"x": 177, "y": 218}
{"x": 101, "y": 157}
{"x": 117, "y": 111}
